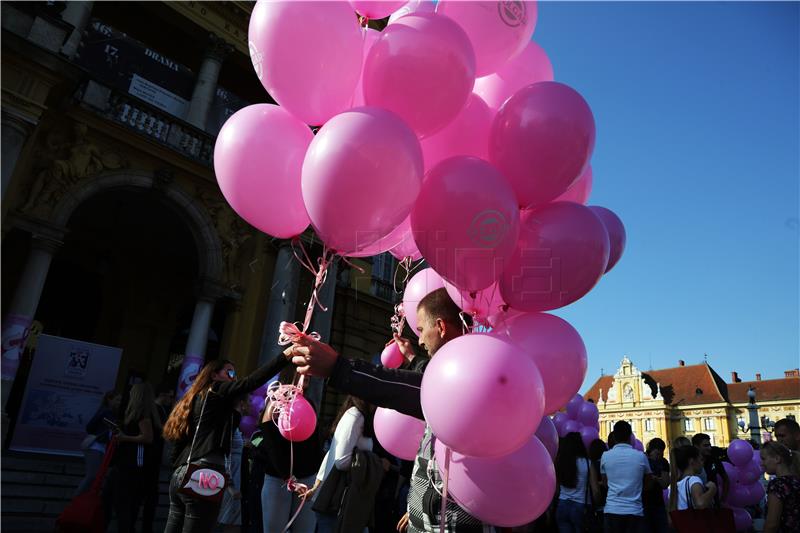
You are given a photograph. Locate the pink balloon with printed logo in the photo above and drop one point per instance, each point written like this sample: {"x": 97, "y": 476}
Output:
{"x": 467, "y": 134}
{"x": 481, "y": 396}
{"x": 480, "y": 304}
{"x": 369, "y": 36}
{"x": 399, "y": 434}
{"x": 361, "y": 177}
{"x": 529, "y": 66}
{"x": 297, "y": 422}
{"x": 376, "y": 9}
{"x": 391, "y": 356}
{"x": 498, "y": 30}
{"x": 466, "y": 222}
{"x": 258, "y": 159}
{"x": 580, "y": 190}
{"x": 561, "y": 254}
{"x": 313, "y": 78}
{"x": 541, "y": 140}
{"x": 525, "y": 477}
{"x": 415, "y": 6}
{"x": 422, "y": 68}
{"x": 420, "y": 285}
{"x": 548, "y": 435}
{"x": 616, "y": 233}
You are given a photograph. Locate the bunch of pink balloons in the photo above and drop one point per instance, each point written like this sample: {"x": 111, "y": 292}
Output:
{"x": 581, "y": 417}
{"x": 744, "y": 475}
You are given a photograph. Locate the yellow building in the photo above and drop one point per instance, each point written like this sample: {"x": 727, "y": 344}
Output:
{"x": 688, "y": 399}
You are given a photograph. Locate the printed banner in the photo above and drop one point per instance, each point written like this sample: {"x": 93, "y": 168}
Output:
{"x": 15, "y": 332}
{"x": 189, "y": 370}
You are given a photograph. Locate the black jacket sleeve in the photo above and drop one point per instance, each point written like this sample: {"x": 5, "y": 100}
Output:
{"x": 232, "y": 389}
{"x": 384, "y": 387}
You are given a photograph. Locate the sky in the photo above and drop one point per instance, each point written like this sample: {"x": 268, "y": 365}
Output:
{"x": 696, "y": 106}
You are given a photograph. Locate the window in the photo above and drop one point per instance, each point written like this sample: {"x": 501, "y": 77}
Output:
{"x": 708, "y": 424}
{"x": 610, "y": 427}
{"x": 688, "y": 424}
{"x": 649, "y": 425}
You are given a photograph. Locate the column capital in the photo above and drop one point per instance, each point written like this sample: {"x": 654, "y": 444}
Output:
{"x": 211, "y": 290}
{"x": 217, "y": 48}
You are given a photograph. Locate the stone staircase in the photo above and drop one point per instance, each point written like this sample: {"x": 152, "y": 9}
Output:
{"x": 36, "y": 488}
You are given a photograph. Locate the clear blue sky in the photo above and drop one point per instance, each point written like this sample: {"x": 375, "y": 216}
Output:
{"x": 696, "y": 107}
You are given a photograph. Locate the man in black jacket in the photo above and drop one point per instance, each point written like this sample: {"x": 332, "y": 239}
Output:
{"x": 438, "y": 323}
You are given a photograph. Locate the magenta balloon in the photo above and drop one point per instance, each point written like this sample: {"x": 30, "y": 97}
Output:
{"x": 559, "y": 353}
{"x": 258, "y": 157}
{"x": 420, "y": 285}
{"x": 376, "y": 9}
{"x": 588, "y": 415}
{"x": 399, "y": 434}
{"x": 391, "y": 357}
{"x": 580, "y": 190}
{"x": 361, "y": 177}
{"x": 526, "y": 478}
{"x": 498, "y": 30}
{"x": 369, "y": 36}
{"x": 742, "y": 519}
{"x": 481, "y": 397}
{"x": 560, "y": 422}
{"x": 529, "y": 66}
{"x": 312, "y": 78}
{"x": 415, "y": 6}
{"x": 561, "y": 254}
{"x": 466, "y": 222}
{"x": 481, "y": 303}
{"x": 297, "y": 423}
{"x": 616, "y": 233}
{"x": 740, "y": 452}
{"x": 541, "y": 139}
{"x": 548, "y": 436}
{"x": 588, "y": 435}
{"x": 467, "y": 134}
{"x": 403, "y": 75}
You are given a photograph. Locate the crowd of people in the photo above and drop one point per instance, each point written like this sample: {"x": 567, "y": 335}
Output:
{"x": 341, "y": 480}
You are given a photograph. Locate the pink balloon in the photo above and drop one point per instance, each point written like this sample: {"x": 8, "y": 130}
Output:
{"x": 498, "y": 319}
{"x": 740, "y": 452}
{"x": 298, "y": 422}
{"x": 399, "y": 434}
{"x": 477, "y": 303}
{"x": 526, "y": 478}
{"x": 580, "y": 190}
{"x": 407, "y": 246}
{"x": 420, "y": 285}
{"x": 369, "y": 37}
{"x": 561, "y": 254}
{"x": 466, "y": 222}
{"x": 616, "y": 233}
{"x": 529, "y": 66}
{"x": 376, "y": 9}
{"x": 257, "y": 160}
{"x": 415, "y": 6}
{"x": 467, "y": 134}
{"x": 312, "y": 78}
{"x": 558, "y": 352}
{"x": 548, "y": 436}
{"x": 481, "y": 397}
{"x": 391, "y": 357}
{"x": 384, "y": 244}
{"x": 588, "y": 415}
{"x": 498, "y": 30}
{"x": 361, "y": 177}
{"x": 541, "y": 139}
{"x": 742, "y": 519}
{"x": 589, "y": 434}
{"x": 403, "y": 75}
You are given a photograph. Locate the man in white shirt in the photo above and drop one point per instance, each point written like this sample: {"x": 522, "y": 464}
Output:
{"x": 624, "y": 470}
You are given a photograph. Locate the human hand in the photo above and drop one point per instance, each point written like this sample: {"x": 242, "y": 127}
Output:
{"x": 711, "y": 486}
{"x": 402, "y": 525}
{"x": 313, "y": 358}
{"x": 405, "y": 347}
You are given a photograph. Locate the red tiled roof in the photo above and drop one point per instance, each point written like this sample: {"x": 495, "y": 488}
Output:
{"x": 766, "y": 390}
{"x": 603, "y": 383}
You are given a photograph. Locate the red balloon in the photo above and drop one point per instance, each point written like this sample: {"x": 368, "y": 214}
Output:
{"x": 616, "y": 233}
{"x": 561, "y": 254}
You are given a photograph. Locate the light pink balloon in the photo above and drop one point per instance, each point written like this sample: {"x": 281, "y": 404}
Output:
{"x": 580, "y": 190}
{"x": 421, "y": 68}
{"x": 384, "y": 244}
{"x": 369, "y": 37}
{"x": 548, "y": 435}
{"x": 529, "y": 66}
{"x": 376, "y": 9}
{"x": 466, "y": 222}
{"x": 498, "y": 319}
{"x": 481, "y": 303}
{"x": 391, "y": 357}
{"x": 559, "y": 353}
{"x": 616, "y": 233}
{"x": 481, "y": 396}
{"x": 415, "y": 6}
{"x": 498, "y": 30}
{"x": 467, "y": 134}
{"x": 258, "y": 157}
{"x": 361, "y": 177}
{"x": 525, "y": 478}
{"x": 407, "y": 247}
{"x": 298, "y": 422}
{"x": 418, "y": 287}
{"x": 399, "y": 434}
{"x": 541, "y": 140}
{"x": 313, "y": 78}
{"x": 561, "y": 254}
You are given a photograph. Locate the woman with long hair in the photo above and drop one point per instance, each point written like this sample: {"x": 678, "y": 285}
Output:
{"x": 98, "y": 435}
{"x": 576, "y": 479}
{"x": 206, "y": 438}
{"x": 783, "y": 491}
{"x": 686, "y": 490}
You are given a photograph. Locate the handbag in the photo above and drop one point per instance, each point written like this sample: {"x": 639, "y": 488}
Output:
{"x": 693, "y": 520}
{"x": 203, "y": 481}
{"x": 84, "y": 514}
{"x": 332, "y": 492}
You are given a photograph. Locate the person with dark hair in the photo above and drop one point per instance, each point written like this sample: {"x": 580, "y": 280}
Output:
{"x": 201, "y": 428}
{"x": 624, "y": 470}
{"x": 596, "y": 450}
{"x": 783, "y": 491}
{"x": 687, "y": 490}
{"x": 655, "y": 513}
{"x": 787, "y": 432}
{"x": 577, "y": 484}
{"x": 438, "y": 322}
{"x": 681, "y": 441}
{"x": 712, "y": 463}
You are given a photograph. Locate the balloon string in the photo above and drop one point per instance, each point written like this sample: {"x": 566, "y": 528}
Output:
{"x": 398, "y": 320}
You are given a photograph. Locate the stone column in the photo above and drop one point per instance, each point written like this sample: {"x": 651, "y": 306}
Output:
{"x": 23, "y": 307}
{"x": 282, "y": 303}
{"x": 78, "y": 14}
{"x": 206, "y": 85}
{"x": 755, "y": 421}
{"x": 321, "y": 322}
{"x": 15, "y": 131}
{"x": 195, "y": 352}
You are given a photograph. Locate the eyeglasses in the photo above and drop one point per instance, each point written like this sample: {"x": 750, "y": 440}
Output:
{"x": 231, "y": 373}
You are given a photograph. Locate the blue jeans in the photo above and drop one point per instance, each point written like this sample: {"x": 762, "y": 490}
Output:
{"x": 278, "y": 505}
{"x": 570, "y": 516}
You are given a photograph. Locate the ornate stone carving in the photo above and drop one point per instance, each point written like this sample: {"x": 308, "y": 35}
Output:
{"x": 233, "y": 233}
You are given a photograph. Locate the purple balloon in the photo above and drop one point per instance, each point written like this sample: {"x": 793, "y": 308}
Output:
{"x": 749, "y": 473}
{"x": 742, "y": 519}
{"x": 740, "y": 452}
{"x": 574, "y": 407}
{"x": 559, "y": 421}
{"x": 572, "y": 426}
{"x": 616, "y": 233}
{"x": 589, "y": 434}
{"x": 589, "y": 415}
{"x": 548, "y": 435}
{"x": 732, "y": 471}
{"x": 637, "y": 445}
{"x": 248, "y": 425}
